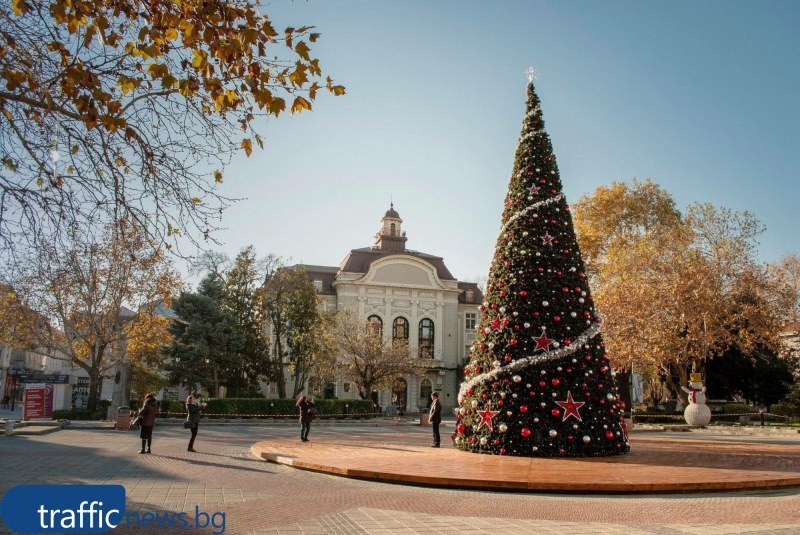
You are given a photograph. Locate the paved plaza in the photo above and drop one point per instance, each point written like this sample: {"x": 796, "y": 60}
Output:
{"x": 260, "y": 497}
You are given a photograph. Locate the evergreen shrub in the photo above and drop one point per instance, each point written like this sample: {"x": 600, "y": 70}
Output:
{"x": 79, "y": 414}
{"x": 270, "y": 408}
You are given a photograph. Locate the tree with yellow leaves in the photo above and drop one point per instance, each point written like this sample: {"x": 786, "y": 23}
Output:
{"x": 674, "y": 289}
{"x": 89, "y": 291}
{"x": 147, "y": 336}
{"x": 119, "y": 107}
{"x": 785, "y": 277}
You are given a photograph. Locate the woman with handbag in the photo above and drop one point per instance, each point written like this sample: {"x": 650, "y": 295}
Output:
{"x": 147, "y": 415}
{"x": 192, "y": 419}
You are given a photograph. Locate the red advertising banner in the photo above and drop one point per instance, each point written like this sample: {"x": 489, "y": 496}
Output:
{"x": 34, "y": 401}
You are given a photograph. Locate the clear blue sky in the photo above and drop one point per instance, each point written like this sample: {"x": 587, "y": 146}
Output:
{"x": 700, "y": 96}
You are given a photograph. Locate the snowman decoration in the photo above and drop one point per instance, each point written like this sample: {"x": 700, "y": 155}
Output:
{"x": 696, "y": 412}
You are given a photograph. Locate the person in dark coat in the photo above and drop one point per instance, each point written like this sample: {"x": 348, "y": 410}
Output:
{"x": 307, "y": 412}
{"x": 435, "y": 418}
{"x": 193, "y": 410}
{"x": 148, "y": 414}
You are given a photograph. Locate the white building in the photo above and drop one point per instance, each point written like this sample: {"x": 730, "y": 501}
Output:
{"x": 414, "y": 296}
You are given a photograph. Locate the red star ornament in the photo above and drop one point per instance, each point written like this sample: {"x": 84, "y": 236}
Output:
{"x": 542, "y": 342}
{"x": 534, "y": 190}
{"x": 547, "y": 239}
{"x": 497, "y": 324}
{"x": 487, "y": 415}
{"x": 571, "y": 407}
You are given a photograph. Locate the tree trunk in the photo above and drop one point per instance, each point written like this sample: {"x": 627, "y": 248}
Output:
{"x": 94, "y": 383}
{"x": 678, "y": 376}
{"x": 278, "y": 367}
{"x": 624, "y": 381}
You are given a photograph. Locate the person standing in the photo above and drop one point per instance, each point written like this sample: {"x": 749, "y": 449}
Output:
{"x": 307, "y": 412}
{"x": 6, "y": 400}
{"x": 193, "y": 410}
{"x": 148, "y": 414}
{"x": 435, "y": 418}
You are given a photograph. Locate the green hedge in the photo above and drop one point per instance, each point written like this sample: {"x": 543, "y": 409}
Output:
{"x": 785, "y": 409}
{"x": 737, "y": 408}
{"x": 269, "y": 408}
{"x": 79, "y": 414}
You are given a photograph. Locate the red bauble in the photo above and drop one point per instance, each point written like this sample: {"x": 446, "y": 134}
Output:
{"x": 502, "y": 451}
{"x": 542, "y": 384}
{"x": 461, "y": 428}
{"x": 609, "y": 435}
{"x": 523, "y": 293}
{"x": 555, "y": 381}
{"x": 556, "y": 318}
{"x": 525, "y": 432}
{"x": 514, "y": 341}
{"x": 555, "y": 413}
{"x": 524, "y": 408}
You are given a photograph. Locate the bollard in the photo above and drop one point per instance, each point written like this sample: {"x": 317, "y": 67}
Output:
{"x": 9, "y": 427}
{"x": 761, "y": 413}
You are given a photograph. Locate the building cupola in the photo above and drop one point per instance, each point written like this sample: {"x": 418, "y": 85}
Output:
{"x": 390, "y": 237}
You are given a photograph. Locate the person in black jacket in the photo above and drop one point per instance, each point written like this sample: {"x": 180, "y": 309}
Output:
{"x": 307, "y": 412}
{"x": 435, "y": 418}
{"x": 193, "y": 410}
{"x": 148, "y": 414}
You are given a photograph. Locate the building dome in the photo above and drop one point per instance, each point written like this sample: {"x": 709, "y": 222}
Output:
{"x": 391, "y": 212}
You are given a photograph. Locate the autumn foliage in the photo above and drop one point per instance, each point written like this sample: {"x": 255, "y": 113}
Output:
{"x": 133, "y": 108}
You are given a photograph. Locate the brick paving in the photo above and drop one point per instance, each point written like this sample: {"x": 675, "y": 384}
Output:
{"x": 258, "y": 497}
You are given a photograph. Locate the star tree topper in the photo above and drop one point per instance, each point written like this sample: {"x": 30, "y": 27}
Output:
{"x": 571, "y": 407}
{"x": 487, "y": 415}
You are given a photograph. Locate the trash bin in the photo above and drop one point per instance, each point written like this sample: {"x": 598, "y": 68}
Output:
{"x": 123, "y": 419}
{"x": 9, "y": 427}
{"x": 424, "y": 415}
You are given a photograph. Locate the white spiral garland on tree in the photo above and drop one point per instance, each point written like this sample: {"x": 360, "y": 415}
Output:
{"x": 534, "y": 206}
{"x": 525, "y": 362}
{"x": 531, "y": 360}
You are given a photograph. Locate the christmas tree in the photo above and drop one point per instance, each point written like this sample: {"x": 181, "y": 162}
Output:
{"x": 539, "y": 382}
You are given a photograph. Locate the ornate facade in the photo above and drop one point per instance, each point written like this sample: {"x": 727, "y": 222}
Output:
{"x": 414, "y": 296}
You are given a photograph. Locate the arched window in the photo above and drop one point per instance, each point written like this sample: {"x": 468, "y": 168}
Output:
{"x": 375, "y": 325}
{"x": 426, "y": 339}
{"x": 391, "y": 229}
{"x": 425, "y": 391}
{"x": 400, "y": 329}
